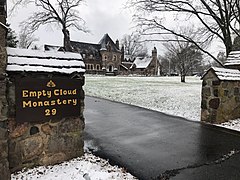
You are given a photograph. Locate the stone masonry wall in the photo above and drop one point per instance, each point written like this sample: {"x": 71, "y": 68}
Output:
{"x": 45, "y": 143}
{"x": 220, "y": 99}
{"x": 4, "y": 165}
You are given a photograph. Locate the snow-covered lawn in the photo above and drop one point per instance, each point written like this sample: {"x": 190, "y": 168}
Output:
{"x": 165, "y": 94}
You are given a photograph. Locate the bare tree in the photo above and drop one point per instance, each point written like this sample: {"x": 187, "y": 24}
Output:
{"x": 26, "y": 38}
{"x": 215, "y": 19}
{"x": 133, "y": 45}
{"x": 61, "y": 12}
{"x": 184, "y": 56}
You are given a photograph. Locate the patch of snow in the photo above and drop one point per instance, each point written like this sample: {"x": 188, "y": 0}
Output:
{"x": 40, "y": 61}
{"x": 88, "y": 167}
{"x": 43, "y": 69}
{"x": 46, "y": 62}
{"x": 142, "y": 62}
{"x": 233, "y": 58}
{"x": 43, "y": 54}
{"x": 232, "y": 124}
{"x": 225, "y": 74}
{"x": 3, "y": 25}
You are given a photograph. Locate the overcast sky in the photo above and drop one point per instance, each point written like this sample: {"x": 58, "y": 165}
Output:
{"x": 101, "y": 16}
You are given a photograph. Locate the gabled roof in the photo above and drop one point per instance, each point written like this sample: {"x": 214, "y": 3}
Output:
{"x": 142, "y": 63}
{"x": 233, "y": 58}
{"x": 105, "y": 41}
{"x": 224, "y": 74}
{"x": 86, "y": 47}
{"x": 39, "y": 61}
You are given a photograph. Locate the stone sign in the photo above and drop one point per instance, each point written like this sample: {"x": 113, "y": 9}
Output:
{"x": 46, "y": 99}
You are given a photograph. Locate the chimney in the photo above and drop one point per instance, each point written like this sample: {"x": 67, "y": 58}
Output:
{"x": 154, "y": 53}
{"x": 117, "y": 43}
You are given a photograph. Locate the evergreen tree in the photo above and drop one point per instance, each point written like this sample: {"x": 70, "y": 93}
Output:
{"x": 11, "y": 38}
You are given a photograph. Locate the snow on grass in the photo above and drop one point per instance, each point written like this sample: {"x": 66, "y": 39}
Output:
{"x": 165, "y": 94}
{"x": 88, "y": 167}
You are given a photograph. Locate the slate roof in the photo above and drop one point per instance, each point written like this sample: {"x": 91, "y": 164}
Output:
{"x": 224, "y": 74}
{"x": 86, "y": 48}
{"x": 95, "y": 49}
{"x": 233, "y": 58}
{"x": 20, "y": 60}
{"x": 107, "y": 40}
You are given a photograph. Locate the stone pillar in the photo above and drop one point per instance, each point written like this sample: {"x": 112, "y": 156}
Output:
{"x": 4, "y": 165}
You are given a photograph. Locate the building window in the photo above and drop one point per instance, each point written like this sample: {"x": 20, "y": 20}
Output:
{"x": 98, "y": 67}
{"x": 91, "y": 56}
{"x": 105, "y": 57}
{"x": 110, "y": 68}
{"x": 84, "y": 55}
{"x": 114, "y": 57}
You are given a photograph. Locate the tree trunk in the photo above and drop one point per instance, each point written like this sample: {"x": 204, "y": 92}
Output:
{"x": 183, "y": 78}
{"x": 66, "y": 40}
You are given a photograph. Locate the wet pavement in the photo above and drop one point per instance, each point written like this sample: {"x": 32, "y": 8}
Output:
{"x": 153, "y": 145}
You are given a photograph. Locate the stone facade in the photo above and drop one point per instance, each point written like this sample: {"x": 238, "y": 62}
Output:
{"x": 220, "y": 99}
{"x": 4, "y": 165}
{"x": 100, "y": 58}
{"x": 43, "y": 143}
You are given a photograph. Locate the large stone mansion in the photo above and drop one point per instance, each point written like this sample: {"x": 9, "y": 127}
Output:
{"x": 106, "y": 57}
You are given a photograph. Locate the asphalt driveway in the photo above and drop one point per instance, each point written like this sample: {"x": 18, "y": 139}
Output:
{"x": 153, "y": 145}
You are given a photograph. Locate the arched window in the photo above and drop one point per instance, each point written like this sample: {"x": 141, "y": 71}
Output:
{"x": 98, "y": 67}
